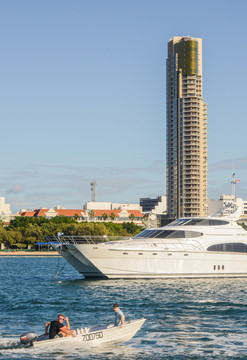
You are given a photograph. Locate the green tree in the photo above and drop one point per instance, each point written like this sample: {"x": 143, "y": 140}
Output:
{"x": 10, "y": 238}
{"x": 31, "y": 234}
{"x": 112, "y": 216}
{"x": 76, "y": 217}
{"x": 104, "y": 216}
{"x": 132, "y": 228}
{"x": 61, "y": 219}
{"x": 114, "y": 229}
{"x": 28, "y": 231}
{"x": 21, "y": 221}
{"x": 91, "y": 214}
{"x": 132, "y": 217}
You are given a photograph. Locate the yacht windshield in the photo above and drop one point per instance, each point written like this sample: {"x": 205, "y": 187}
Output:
{"x": 171, "y": 234}
{"x": 198, "y": 222}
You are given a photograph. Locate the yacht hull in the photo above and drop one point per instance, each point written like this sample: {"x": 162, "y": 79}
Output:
{"x": 105, "y": 261}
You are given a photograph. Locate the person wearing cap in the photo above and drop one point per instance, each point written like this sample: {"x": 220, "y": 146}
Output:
{"x": 119, "y": 316}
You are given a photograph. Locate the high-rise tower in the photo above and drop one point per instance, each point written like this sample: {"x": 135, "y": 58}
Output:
{"x": 186, "y": 129}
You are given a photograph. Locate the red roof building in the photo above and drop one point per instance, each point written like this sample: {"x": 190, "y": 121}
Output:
{"x": 120, "y": 216}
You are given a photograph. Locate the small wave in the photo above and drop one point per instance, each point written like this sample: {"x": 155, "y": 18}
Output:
{"x": 9, "y": 343}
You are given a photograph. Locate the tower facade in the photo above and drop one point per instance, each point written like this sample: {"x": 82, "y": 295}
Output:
{"x": 186, "y": 130}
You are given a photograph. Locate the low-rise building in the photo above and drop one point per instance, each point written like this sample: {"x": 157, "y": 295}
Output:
{"x": 215, "y": 205}
{"x": 94, "y": 205}
{"x": 119, "y": 216}
{"x": 53, "y": 212}
{"x": 92, "y": 214}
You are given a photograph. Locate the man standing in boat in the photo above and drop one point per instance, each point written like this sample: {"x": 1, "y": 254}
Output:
{"x": 119, "y": 316}
{"x": 58, "y": 329}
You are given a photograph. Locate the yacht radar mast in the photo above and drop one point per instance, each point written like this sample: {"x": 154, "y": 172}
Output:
{"x": 234, "y": 181}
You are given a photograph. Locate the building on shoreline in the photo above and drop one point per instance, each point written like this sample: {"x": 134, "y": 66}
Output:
{"x": 156, "y": 205}
{"x": 5, "y": 213}
{"x": 95, "y": 205}
{"x": 154, "y": 211}
{"x": 215, "y": 205}
{"x": 186, "y": 129}
{"x": 101, "y": 212}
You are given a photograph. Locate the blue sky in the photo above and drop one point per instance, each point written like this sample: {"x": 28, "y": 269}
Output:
{"x": 83, "y": 97}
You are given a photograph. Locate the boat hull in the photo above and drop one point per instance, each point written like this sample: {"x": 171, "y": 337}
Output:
{"x": 95, "y": 336}
{"x": 105, "y": 261}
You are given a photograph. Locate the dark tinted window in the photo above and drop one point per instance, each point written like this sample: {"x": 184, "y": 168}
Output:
{"x": 147, "y": 233}
{"x": 198, "y": 222}
{"x": 231, "y": 247}
{"x": 170, "y": 234}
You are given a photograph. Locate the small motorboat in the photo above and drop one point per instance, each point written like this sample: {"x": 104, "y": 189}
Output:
{"x": 93, "y": 336}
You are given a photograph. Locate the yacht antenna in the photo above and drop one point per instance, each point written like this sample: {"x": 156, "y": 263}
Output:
{"x": 234, "y": 181}
{"x": 233, "y": 186}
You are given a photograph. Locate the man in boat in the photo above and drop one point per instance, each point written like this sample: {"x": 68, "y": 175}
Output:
{"x": 119, "y": 316}
{"x": 58, "y": 329}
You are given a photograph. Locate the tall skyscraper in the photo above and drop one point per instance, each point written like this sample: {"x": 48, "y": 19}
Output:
{"x": 186, "y": 129}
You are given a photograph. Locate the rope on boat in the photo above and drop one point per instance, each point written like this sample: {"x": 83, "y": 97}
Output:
{"x": 59, "y": 270}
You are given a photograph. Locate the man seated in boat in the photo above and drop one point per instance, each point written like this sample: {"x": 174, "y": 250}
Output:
{"x": 119, "y": 316}
{"x": 58, "y": 329}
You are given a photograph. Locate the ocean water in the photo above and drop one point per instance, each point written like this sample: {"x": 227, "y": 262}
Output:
{"x": 186, "y": 318}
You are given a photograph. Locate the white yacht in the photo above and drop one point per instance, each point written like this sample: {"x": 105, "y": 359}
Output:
{"x": 188, "y": 247}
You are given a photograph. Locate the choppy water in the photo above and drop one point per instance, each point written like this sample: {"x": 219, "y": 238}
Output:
{"x": 186, "y": 319}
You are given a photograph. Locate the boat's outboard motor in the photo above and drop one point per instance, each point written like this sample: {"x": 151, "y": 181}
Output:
{"x": 28, "y": 338}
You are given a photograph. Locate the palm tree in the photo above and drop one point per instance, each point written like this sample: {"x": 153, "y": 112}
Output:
{"x": 113, "y": 216}
{"x": 132, "y": 217}
{"x": 91, "y": 214}
{"x": 76, "y": 217}
{"x": 104, "y": 216}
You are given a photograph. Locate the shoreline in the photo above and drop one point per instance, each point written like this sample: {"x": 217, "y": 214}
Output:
{"x": 28, "y": 253}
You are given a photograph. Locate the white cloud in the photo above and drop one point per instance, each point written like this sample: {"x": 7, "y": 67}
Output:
{"x": 15, "y": 189}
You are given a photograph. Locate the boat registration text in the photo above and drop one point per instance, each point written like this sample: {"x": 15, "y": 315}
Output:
{"x": 93, "y": 336}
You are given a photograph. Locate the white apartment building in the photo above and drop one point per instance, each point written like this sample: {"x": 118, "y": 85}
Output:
{"x": 5, "y": 213}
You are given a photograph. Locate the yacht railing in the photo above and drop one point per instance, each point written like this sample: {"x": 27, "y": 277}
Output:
{"x": 167, "y": 244}
{"x": 84, "y": 239}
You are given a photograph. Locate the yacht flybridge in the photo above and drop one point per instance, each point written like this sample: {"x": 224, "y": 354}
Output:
{"x": 188, "y": 247}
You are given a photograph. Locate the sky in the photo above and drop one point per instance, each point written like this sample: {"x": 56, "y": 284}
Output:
{"x": 83, "y": 97}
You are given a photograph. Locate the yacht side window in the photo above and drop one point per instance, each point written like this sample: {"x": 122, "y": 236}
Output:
{"x": 168, "y": 234}
{"x": 146, "y": 233}
{"x": 229, "y": 247}
{"x": 198, "y": 222}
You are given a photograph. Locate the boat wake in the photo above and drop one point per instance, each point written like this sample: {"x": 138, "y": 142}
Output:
{"x": 10, "y": 348}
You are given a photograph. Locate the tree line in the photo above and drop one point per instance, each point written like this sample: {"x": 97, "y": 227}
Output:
{"x": 25, "y": 231}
